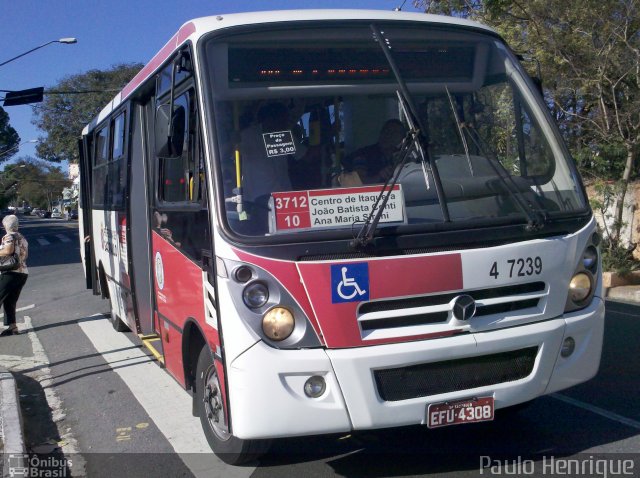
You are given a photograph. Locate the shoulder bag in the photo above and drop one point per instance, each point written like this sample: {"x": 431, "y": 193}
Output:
{"x": 12, "y": 261}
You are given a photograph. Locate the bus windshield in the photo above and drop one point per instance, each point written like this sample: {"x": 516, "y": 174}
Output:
{"x": 310, "y": 126}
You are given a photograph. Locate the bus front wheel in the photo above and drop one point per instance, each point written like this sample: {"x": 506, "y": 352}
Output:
{"x": 210, "y": 408}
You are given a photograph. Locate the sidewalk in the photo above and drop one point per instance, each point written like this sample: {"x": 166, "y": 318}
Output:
{"x": 27, "y": 424}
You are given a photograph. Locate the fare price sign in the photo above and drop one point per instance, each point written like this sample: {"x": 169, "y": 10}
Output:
{"x": 279, "y": 144}
{"x": 328, "y": 208}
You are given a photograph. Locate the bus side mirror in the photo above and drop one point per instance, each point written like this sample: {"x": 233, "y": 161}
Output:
{"x": 169, "y": 133}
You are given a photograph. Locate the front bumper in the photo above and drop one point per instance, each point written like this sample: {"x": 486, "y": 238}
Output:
{"x": 266, "y": 385}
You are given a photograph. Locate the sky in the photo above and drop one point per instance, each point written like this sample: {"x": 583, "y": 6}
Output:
{"x": 109, "y": 32}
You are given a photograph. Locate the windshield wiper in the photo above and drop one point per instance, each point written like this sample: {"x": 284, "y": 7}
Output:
{"x": 459, "y": 125}
{"x": 364, "y": 236}
{"x": 416, "y": 136}
{"x": 536, "y": 218}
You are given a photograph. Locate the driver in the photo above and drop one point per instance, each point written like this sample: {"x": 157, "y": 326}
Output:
{"x": 375, "y": 163}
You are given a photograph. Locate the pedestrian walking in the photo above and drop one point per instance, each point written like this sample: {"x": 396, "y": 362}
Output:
{"x": 12, "y": 282}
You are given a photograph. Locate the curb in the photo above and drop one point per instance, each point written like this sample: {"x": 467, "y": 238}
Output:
{"x": 629, "y": 293}
{"x": 11, "y": 425}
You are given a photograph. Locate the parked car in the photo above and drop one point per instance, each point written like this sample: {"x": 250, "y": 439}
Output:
{"x": 5, "y": 212}
{"x": 56, "y": 214}
{"x": 73, "y": 214}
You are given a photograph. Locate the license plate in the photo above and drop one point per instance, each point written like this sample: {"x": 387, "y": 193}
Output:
{"x": 471, "y": 410}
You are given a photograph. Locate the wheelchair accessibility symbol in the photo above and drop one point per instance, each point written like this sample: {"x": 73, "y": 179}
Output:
{"x": 349, "y": 282}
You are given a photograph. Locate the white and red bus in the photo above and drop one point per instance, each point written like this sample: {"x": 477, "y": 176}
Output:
{"x": 325, "y": 221}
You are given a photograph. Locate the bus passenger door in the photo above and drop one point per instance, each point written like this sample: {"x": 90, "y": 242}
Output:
{"x": 139, "y": 228}
{"x": 86, "y": 246}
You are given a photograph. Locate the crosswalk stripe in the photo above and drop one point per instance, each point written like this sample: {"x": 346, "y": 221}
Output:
{"x": 42, "y": 241}
{"x": 63, "y": 238}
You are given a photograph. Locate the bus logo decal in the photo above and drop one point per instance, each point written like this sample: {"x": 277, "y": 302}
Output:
{"x": 464, "y": 307}
{"x": 159, "y": 271}
{"x": 349, "y": 282}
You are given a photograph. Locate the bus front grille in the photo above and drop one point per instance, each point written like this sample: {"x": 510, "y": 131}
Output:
{"x": 430, "y": 310}
{"x": 428, "y": 379}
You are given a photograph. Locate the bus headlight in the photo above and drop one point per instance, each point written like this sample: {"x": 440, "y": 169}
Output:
{"x": 255, "y": 295}
{"x": 580, "y": 287}
{"x": 278, "y": 323}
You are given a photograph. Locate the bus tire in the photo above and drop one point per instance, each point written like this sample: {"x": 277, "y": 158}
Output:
{"x": 117, "y": 323}
{"x": 208, "y": 402}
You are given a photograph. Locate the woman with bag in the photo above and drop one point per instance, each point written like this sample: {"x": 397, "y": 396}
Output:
{"x": 14, "y": 276}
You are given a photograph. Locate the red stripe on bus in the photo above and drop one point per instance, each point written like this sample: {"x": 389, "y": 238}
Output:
{"x": 287, "y": 274}
{"x": 389, "y": 278}
{"x": 158, "y": 59}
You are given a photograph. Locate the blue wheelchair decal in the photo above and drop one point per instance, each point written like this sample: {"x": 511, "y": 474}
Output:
{"x": 349, "y": 282}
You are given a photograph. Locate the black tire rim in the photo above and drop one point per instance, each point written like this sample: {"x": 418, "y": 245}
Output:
{"x": 213, "y": 405}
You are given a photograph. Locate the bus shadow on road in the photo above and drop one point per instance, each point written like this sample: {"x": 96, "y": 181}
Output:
{"x": 85, "y": 364}
{"x": 548, "y": 428}
{"x": 66, "y": 323}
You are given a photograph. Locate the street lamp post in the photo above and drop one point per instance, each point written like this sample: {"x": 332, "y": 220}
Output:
{"x": 17, "y": 146}
{"x": 66, "y": 41}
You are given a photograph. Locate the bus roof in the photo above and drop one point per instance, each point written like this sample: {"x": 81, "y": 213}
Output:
{"x": 194, "y": 29}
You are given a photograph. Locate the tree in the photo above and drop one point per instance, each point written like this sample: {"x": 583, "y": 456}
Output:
{"x": 590, "y": 59}
{"x": 79, "y": 98}
{"x": 32, "y": 181}
{"x": 9, "y": 138}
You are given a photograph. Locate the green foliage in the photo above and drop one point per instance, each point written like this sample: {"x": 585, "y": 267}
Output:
{"x": 589, "y": 57}
{"x": 32, "y": 181}
{"x": 9, "y": 138}
{"x": 617, "y": 258}
{"x": 63, "y": 116}
{"x": 607, "y": 192}
{"x": 605, "y": 162}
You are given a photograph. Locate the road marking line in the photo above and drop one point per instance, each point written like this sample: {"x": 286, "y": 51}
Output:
{"x": 628, "y": 314}
{"x": 42, "y": 241}
{"x": 43, "y": 376}
{"x": 597, "y": 410}
{"x": 21, "y": 309}
{"x": 63, "y": 238}
{"x": 164, "y": 400}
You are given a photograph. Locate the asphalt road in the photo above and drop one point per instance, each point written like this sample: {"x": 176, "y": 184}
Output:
{"x": 97, "y": 403}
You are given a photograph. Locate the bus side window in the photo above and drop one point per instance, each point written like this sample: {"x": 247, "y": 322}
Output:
{"x": 181, "y": 215}
{"x": 110, "y": 165}
{"x": 118, "y": 167}
{"x": 100, "y": 167}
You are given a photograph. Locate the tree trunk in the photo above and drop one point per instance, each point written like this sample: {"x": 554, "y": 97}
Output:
{"x": 624, "y": 183}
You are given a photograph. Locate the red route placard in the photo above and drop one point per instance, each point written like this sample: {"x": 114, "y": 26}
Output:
{"x": 340, "y": 207}
{"x": 292, "y": 210}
